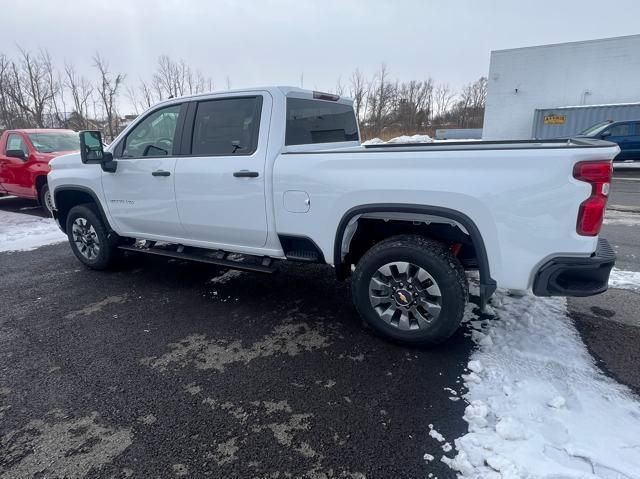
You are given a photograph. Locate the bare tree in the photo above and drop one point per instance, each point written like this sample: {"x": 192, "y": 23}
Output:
{"x": 358, "y": 91}
{"x": 381, "y": 97}
{"x": 10, "y": 113}
{"x": 442, "y": 99}
{"x": 473, "y": 99}
{"x": 170, "y": 77}
{"x": 80, "y": 90}
{"x": 108, "y": 89}
{"x": 468, "y": 112}
{"x": 30, "y": 87}
{"x": 414, "y": 104}
{"x": 339, "y": 90}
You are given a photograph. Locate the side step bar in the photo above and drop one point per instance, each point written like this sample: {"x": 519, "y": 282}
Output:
{"x": 220, "y": 258}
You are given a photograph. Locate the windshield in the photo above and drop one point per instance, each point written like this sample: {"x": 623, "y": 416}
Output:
{"x": 55, "y": 141}
{"x": 595, "y": 129}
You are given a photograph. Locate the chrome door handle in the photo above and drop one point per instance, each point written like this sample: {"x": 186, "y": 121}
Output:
{"x": 161, "y": 173}
{"x": 246, "y": 174}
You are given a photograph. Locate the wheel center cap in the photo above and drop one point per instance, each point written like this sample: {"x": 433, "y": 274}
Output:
{"x": 403, "y": 297}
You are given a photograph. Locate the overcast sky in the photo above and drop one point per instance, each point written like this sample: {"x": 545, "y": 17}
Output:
{"x": 276, "y": 41}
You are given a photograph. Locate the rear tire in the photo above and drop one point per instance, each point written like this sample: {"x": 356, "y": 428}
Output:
{"x": 411, "y": 290}
{"x": 89, "y": 238}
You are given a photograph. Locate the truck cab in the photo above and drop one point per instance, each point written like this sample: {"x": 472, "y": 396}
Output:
{"x": 24, "y": 161}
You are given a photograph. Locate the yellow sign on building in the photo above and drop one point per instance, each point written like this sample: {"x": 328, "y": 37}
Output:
{"x": 555, "y": 119}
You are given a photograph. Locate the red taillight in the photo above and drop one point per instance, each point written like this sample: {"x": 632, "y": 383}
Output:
{"x": 591, "y": 213}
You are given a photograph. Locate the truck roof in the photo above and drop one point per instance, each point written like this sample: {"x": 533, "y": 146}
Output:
{"x": 287, "y": 91}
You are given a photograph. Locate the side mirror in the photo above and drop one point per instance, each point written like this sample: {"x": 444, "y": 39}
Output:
{"x": 92, "y": 151}
{"x": 16, "y": 154}
{"x": 606, "y": 134}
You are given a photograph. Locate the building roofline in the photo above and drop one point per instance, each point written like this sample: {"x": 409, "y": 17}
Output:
{"x": 559, "y": 44}
{"x": 598, "y": 105}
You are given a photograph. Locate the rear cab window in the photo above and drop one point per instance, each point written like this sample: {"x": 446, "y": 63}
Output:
{"x": 225, "y": 127}
{"x": 319, "y": 121}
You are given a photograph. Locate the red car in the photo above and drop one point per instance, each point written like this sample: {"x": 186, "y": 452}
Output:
{"x": 24, "y": 161}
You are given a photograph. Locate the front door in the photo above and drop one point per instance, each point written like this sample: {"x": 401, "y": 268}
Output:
{"x": 14, "y": 172}
{"x": 220, "y": 181}
{"x": 140, "y": 194}
{"x": 634, "y": 143}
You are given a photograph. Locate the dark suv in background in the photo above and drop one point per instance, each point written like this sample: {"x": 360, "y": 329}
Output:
{"x": 625, "y": 133}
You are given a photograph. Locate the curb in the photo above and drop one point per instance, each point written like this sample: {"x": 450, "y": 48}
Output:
{"x": 627, "y": 209}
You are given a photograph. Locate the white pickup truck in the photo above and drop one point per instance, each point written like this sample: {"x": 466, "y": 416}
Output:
{"x": 279, "y": 173}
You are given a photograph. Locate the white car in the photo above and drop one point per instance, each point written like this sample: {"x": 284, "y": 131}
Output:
{"x": 279, "y": 173}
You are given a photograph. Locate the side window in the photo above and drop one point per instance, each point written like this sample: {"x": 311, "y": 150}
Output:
{"x": 620, "y": 130}
{"x": 154, "y": 135}
{"x": 226, "y": 127}
{"x": 637, "y": 132}
{"x": 15, "y": 142}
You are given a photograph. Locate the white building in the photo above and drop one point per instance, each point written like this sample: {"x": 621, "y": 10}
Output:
{"x": 550, "y": 76}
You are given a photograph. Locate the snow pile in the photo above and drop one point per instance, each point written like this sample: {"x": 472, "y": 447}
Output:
{"x": 624, "y": 280}
{"x": 538, "y": 405}
{"x": 374, "y": 141}
{"x": 401, "y": 139}
{"x": 411, "y": 139}
{"x": 20, "y": 232}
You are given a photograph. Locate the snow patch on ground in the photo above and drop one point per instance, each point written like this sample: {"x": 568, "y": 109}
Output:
{"x": 225, "y": 277}
{"x": 624, "y": 280}
{"x": 624, "y": 218}
{"x": 21, "y": 232}
{"x": 538, "y": 405}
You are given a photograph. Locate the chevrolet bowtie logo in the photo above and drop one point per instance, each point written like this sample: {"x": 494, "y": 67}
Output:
{"x": 402, "y": 297}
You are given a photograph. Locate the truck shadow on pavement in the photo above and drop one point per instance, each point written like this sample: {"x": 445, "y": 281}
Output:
{"x": 22, "y": 206}
{"x": 168, "y": 368}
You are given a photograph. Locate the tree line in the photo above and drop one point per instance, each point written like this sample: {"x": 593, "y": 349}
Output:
{"x": 387, "y": 108}
{"x": 36, "y": 93}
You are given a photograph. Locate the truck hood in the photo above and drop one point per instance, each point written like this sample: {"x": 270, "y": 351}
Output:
{"x": 47, "y": 157}
{"x": 68, "y": 159}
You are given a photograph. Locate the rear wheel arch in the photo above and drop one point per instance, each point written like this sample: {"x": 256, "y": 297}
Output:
{"x": 487, "y": 284}
{"x": 66, "y": 197}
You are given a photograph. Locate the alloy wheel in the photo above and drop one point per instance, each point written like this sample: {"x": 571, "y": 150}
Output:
{"x": 405, "y": 296}
{"x": 85, "y": 238}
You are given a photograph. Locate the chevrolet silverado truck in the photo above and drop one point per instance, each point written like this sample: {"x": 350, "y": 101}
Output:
{"x": 24, "y": 161}
{"x": 248, "y": 178}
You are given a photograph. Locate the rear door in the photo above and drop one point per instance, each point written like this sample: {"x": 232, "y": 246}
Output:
{"x": 140, "y": 194}
{"x": 220, "y": 180}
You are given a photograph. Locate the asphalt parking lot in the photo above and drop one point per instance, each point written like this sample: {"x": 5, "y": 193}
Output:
{"x": 160, "y": 369}
{"x": 174, "y": 369}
